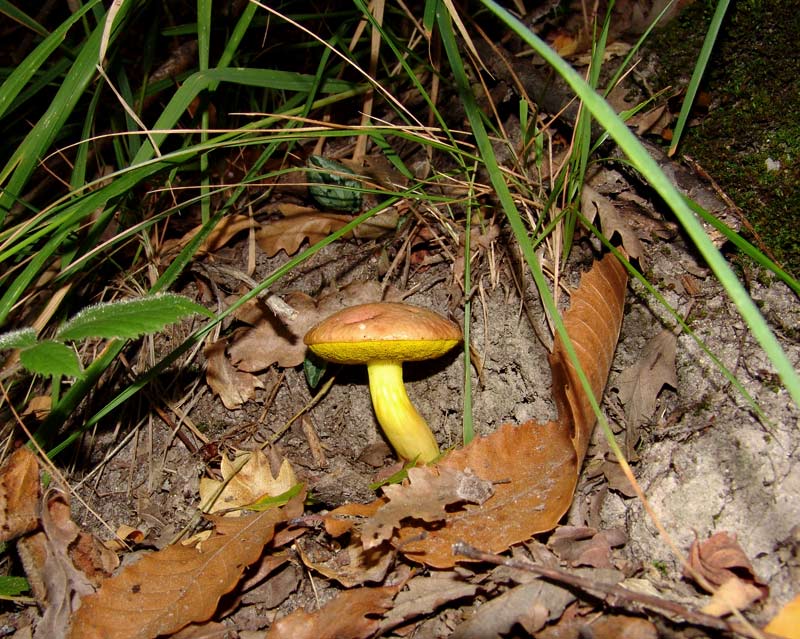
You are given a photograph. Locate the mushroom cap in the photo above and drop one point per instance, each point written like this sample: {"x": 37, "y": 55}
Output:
{"x": 382, "y": 331}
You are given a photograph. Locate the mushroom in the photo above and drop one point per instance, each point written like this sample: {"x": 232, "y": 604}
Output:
{"x": 383, "y": 335}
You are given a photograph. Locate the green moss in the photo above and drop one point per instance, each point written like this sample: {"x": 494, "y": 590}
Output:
{"x": 754, "y": 121}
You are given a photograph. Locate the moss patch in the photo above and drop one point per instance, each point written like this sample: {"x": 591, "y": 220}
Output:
{"x": 750, "y": 140}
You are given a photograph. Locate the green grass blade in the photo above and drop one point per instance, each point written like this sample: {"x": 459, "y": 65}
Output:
{"x": 697, "y": 74}
{"x": 26, "y": 158}
{"x": 202, "y": 80}
{"x": 27, "y": 69}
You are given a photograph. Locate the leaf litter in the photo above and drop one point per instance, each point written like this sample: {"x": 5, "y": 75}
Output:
{"x": 495, "y": 493}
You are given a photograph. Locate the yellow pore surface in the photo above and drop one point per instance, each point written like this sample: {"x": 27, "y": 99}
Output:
{"x": 386, "y": 350}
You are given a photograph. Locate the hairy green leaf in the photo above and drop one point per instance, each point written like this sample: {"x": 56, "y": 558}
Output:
{"x": 21, "y": 338}
{"x": 51, "y": 358}
{"x": 129, "y": 318}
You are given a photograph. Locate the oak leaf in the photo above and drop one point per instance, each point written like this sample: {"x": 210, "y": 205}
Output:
{"x": 168, "y": 589}
{"x": 425, "y": 497}
{"x": 351, "y": 565}
{"x": 640, "y": 383}
{"x": 253, "y": 481}
{"x": 288, "y": 234}
{"x": 233, "y": 386}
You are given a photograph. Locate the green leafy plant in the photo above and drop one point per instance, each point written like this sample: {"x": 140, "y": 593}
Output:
{"x": 124, "y": 319}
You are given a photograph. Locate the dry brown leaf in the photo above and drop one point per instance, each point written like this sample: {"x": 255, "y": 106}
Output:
{"x": 424, "y": 497}
{"x": 62, "y": 564}
{"x": 582, "y": 546}
{"x": 424, "y": 594}
{"x": 593, "y": 322}
{"x": 233, "y": 386}
{"x": 289, "y": 233}
{"x": 640, "y": 384}
{"x": 253, "y": 481}
{"x": 720, "y": 558}
{"x": 166, "y": 590}
{"x": 272, "y": 340}
{"x": 353, "y": 614}
{"x": 225, "y": 230}
{"x": 351, "y": 565}
{"x": 19, "y": 494}
{"x": 593, "y": 204}
{"x": 530, "y": 605}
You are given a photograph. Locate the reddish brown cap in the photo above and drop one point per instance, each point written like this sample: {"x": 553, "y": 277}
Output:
{"x": 382, "y": 331}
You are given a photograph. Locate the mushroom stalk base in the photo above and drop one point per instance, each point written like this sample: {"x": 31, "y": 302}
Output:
{"x": 404, "y": 427}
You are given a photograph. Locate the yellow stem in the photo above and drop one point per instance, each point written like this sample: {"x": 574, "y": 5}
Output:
{"x": 404, "y": 427}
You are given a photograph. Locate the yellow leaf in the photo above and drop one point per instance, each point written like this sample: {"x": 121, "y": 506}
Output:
{"x": 251, "y": 483}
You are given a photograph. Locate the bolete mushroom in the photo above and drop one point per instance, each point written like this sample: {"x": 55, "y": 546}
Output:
{"x": 383, "y": 335}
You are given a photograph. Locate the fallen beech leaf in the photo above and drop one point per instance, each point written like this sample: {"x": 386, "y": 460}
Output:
{"x": 351, "y": 615}
{"x": 253, "y": 481}
{"x": 166, "y": 590}
{"x": 19, "y": 494}
{"x": 787, "y": 622}
{"x": 640, "y": 384}
{"x": 424, "y": 497}
{"x": 593, "y": 322}
{"x": 593, "y": 203}
{"x": 533, "y": 467}
{"x": 233, "y": 386}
